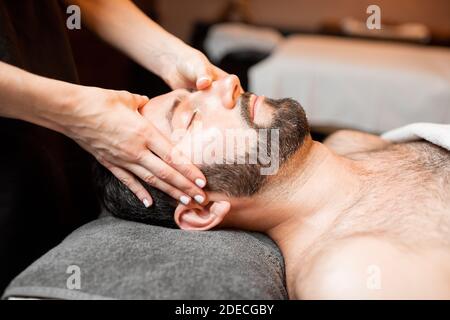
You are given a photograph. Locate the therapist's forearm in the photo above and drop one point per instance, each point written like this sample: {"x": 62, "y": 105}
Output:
{"x": 126, "y": 27}
{"x": 32, "y": 98}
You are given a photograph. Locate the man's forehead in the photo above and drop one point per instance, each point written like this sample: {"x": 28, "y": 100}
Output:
{"x": 181, "y": 94}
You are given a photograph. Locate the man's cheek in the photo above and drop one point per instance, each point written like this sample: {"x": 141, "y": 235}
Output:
{"x": 203, "y": 146}
{"x": 162, "y": 126}
{"x": 188, "y": 144}
{"x": 212, "y": 144}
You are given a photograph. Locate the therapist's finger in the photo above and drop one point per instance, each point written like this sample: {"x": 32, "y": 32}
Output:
{"x": 210, "y": 74}
{"x": 163, "y": 170}
{"x": 219, "y": 73}
{"x": 132, "y": 183}
{"x": 140, "y": 101}
{"x": 175, "y": 158}
{"x": 204, "y": 78}
{"x": 160, "y": 184}
{"x": 203, "y": 72}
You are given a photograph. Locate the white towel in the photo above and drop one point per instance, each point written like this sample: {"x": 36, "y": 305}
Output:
{"x": 438, "y": 134}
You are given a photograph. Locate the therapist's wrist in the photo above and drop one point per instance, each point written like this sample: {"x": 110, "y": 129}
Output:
{"x": 165, "y": 56}
{"x": 54, "y": 104}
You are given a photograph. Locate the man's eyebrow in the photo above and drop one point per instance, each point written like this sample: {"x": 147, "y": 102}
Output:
{"x": 169, "y": 114}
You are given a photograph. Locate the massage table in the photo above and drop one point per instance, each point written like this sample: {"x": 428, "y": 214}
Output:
{"x": 119, "y": 259}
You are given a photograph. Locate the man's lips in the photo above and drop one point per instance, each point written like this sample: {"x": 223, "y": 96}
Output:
{"x": 254, "y": 104}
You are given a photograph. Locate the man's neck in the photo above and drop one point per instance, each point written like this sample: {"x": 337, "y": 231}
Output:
{"x": 319, "y": 190}
{"x": 298, "y": 211}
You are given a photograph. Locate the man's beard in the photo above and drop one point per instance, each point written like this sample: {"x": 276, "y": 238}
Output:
{"x": 240, "y": 180}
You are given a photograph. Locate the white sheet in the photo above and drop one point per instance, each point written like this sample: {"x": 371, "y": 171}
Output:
{"x": 369, "y": 85}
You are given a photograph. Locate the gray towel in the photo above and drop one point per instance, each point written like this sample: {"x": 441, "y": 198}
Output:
{"x": 120, "y": 259}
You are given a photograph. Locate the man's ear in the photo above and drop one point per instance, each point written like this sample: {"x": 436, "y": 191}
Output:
{"x": 193, "y": 217}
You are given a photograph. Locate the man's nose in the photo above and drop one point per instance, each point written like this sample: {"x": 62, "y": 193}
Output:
{"x": 230, "y": 90}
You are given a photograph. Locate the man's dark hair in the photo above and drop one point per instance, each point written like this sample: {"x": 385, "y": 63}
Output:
{"x": 237, "y": 180}
{"x": 118, "y": 200}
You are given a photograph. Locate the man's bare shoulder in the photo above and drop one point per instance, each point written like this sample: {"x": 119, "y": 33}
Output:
{"x": 345, "y": 142}
{"x": 367, "y": 267}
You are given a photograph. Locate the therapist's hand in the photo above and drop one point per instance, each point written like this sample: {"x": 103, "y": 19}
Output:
{"x": 186, "y": 67}
{"x": 108, "y": 125}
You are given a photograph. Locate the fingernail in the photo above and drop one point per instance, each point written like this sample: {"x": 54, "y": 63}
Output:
{"x": 146, "y": 203}
{"x": 204, "y": 79}
{"x": 199, "y": 199}
{"x": 185, "y": 200}
{"x": 200, "y": 183}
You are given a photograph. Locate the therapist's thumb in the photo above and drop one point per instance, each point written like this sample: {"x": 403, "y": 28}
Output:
{"x": 211, "y": 73}
{"x": 139, "y": 100}
{"x": 204, "y": 80}
{"x": 203, "y": 74}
